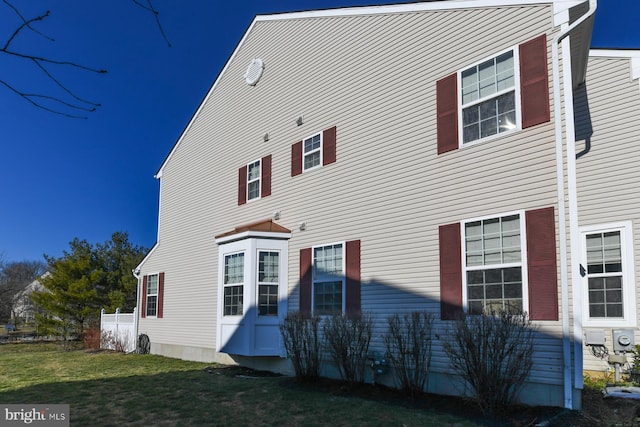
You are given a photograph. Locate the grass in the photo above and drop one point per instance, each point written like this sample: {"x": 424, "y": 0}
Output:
{"x": 114, "y": 389}
{"x": 117, "y": 389}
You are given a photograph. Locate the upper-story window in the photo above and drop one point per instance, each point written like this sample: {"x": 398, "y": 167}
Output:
{"x": 506, "y": 92}
{"x": 488, "y": 98}
{"x": 312, "y": 151}
{"x": 253, "y": 180}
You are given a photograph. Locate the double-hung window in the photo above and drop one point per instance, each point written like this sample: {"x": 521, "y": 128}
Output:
{"x": 233, "y": 284}
{"x": 493, "y": 264}
{"x": 488, "y": 98}
{"x": 152, "y": 295}
{"x": 253, "y": 180}
{"x": 268, "y": 279}
{"x": 328, "y": 279}
{"x": 607, "y": 268}
{"x": 312, "y": 147}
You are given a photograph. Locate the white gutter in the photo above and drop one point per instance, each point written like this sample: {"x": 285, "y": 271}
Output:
{"x": 573, "y": 207}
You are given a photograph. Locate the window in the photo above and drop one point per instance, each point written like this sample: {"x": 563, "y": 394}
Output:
{"x": 152, "y": 295}
{"x": 328, "y": 279}
{"x": 268, "y": 279}
{"x": 493, "y": 265}
{"x": 233, "y": 284}
{"x": 507, "y": 92}
{"x": 608, "y": 274}
{"x": 488, "y": 98}
{"x": 253, "y": 180}
{"x": 312, "y": 152}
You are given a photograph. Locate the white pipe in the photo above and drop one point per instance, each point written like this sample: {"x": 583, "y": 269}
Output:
{"x": 573, "y": 208}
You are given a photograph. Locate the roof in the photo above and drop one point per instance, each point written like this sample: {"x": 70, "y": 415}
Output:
{"x": 265, "y": 228}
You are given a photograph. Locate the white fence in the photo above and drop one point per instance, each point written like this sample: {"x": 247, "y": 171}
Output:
{"x": 118, "y": 330}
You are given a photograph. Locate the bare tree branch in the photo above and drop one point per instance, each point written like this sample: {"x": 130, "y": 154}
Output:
{"x": 35, "y": 99}
{"x": 26, "y": 23}
{"x": 149, "y": 7}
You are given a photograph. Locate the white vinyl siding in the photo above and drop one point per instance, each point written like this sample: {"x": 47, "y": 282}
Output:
{"x": 386, "y": 116}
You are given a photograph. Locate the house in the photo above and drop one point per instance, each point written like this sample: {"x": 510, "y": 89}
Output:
{"x": 438, "y": 156}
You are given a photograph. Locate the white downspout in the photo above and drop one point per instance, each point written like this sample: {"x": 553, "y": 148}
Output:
{"x": 573, "y": 207}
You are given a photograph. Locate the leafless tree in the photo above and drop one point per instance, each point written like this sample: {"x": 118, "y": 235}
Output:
{"x": 69, "y": 103}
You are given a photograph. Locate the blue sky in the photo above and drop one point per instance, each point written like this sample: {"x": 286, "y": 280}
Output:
{"x": 62, "y": 178}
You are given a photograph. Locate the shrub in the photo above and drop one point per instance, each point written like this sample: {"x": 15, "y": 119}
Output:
{"x": 300, "y": 336}
{"x": 408, "y": 343}
{"x": 494, "y": 355}
{"x": 347, "y": 341}
{"x": 91, "y": 338}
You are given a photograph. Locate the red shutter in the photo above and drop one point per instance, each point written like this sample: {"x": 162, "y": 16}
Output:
{"x": 160, "y": 295}
{"x": 450, "y": 272}
{"x": 352, "y": 297}
{"x": 265, "y": 182}
{"x": 541, "y": 264}
{"x": 447, "y": 105}
{"x": 329, "y": 146}
{"x": 534, "y": 81}
{"x": 242, "y": 185}
{"x": 143, "y": 312}
{"x": 296, "y": 158}
{"x": 305, "y": 281}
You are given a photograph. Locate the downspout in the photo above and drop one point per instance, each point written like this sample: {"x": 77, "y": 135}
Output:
{"x": 573, "y": 207}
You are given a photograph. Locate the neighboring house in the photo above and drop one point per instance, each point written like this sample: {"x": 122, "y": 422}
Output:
{"x": 408, "y": 157}
{"x": 24, "y": 308}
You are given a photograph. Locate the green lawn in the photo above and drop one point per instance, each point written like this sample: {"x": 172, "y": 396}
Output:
{"x": 113, "y": 389}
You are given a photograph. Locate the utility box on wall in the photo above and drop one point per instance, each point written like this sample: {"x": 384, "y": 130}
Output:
{"x": 623, "y": 340}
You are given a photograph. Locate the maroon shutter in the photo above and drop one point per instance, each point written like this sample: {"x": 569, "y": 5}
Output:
{"x": 541, "y": 264}
{"x": 242, "y": 185}
{"x": 450, "y": 272}
{"x": 329, "y": 146}
{"x": 305, "y": 281}
{"x": 265, "y": 182}
{"x": 296, "y": 158}
{"x": 447, "y": 105}
{"x": 143, "y": 312}
{"x": 160, "y": 295}
{"x": 352, "y": 297}
{"x": 534, "y": 81}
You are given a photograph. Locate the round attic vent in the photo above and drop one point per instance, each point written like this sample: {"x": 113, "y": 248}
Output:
{"x": 254, "y": 72}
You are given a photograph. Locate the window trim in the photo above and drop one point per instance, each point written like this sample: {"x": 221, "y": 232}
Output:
{"x": 518, "y": 98}
{"x": 628, "y": 276}
{"x": 147, "y": 295}
{"x": 241, "y": 284}
{"x": 523, "y": 257}
{"x": 343, "y": 276}
{"x": 258, "y": 180}
{"x": 320, "y": 149}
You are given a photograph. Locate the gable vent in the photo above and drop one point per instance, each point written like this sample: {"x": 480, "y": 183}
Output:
{"x": 254, "y": 72}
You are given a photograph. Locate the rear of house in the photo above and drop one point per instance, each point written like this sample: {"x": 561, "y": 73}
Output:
{"x": 397, "y": 159}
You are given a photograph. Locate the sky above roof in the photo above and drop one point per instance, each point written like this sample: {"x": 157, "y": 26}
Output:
{"x": 62, "y": 177}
